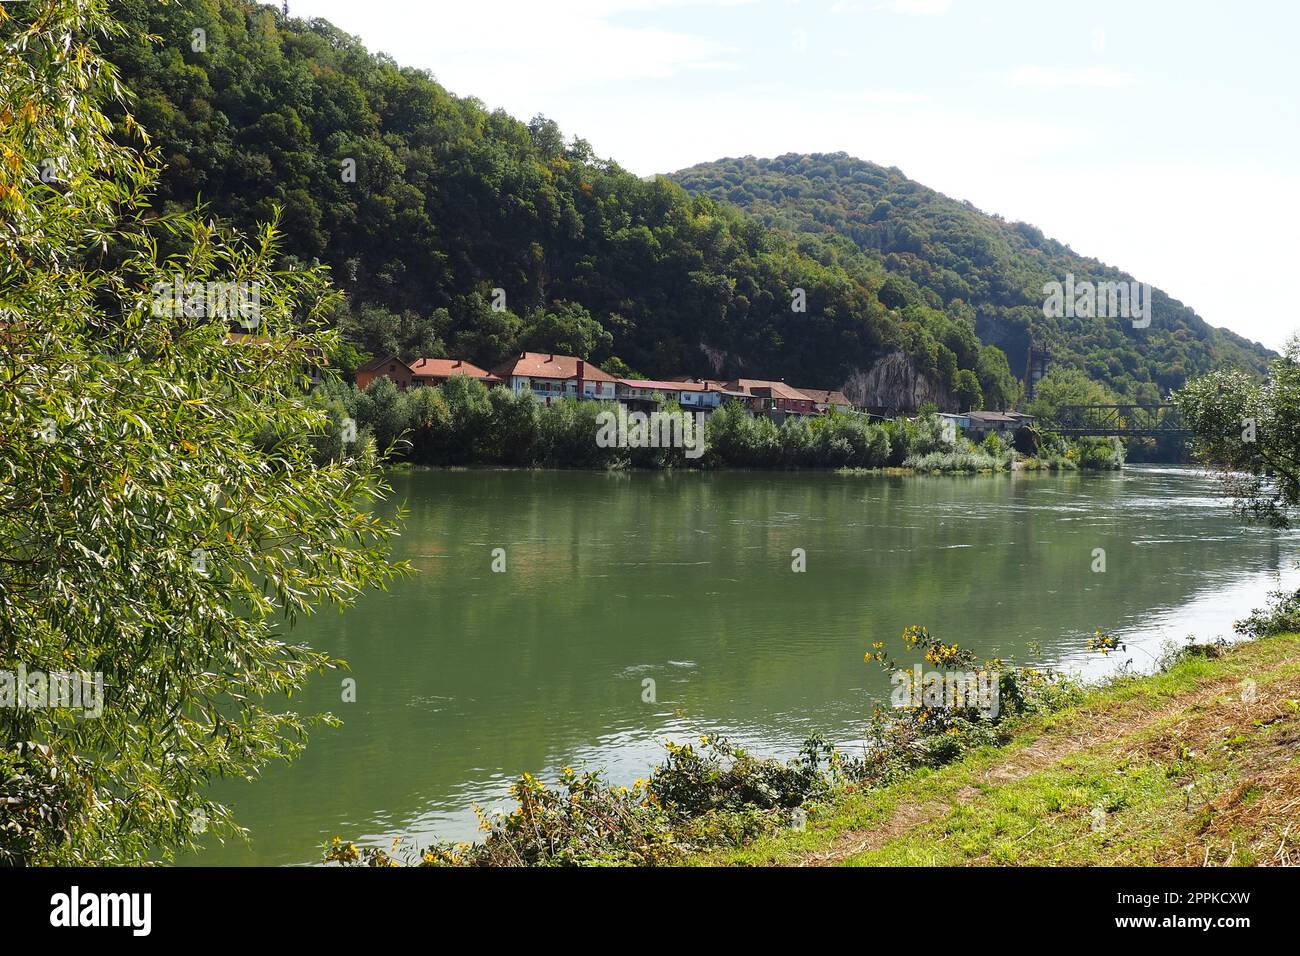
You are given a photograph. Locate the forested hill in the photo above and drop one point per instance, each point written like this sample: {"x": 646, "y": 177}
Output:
{"x": 951, "y": 256}
{"x": 451, "y": 201}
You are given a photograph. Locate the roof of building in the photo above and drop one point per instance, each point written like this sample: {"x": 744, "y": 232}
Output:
{"x": 827, "y": 396}
{"x": 667, "y": 385}
{"x": 993, "y": 417}
{"x": 378, "y": 363}
{"x": 710, "y": 384}
{"x": 550, "y": 365}
{"x": 763, "y": 389}
{"x": 445, "y": 368}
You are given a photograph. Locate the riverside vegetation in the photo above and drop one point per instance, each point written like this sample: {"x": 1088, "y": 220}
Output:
{"x": 463, "y": 422}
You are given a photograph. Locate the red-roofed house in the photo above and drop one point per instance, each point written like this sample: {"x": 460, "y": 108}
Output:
{"x": 423, "y": 371}
{"x": 385, "y": 366}
{"x": 774, "y": 396}
{"x": 547, "y": 376}
{"x": 824, "y": 398}
{"x": 435, "y": 371}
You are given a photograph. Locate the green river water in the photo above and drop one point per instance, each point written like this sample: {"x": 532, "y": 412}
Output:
{"x": 466, "y": 677}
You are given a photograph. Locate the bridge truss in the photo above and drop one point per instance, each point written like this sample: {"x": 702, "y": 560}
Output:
{"x": 1124, "y": 421}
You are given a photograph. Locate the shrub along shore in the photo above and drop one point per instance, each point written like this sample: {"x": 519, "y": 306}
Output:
{"x": 463, "y": 422}
{"x": 1190, "y": 765}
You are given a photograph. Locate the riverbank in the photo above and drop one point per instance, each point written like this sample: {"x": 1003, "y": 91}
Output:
{"x": 978, "y": 467}
{"x": 1199, "y": 765}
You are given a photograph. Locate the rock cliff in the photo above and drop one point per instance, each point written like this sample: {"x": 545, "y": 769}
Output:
{"x": 892, "y": 383}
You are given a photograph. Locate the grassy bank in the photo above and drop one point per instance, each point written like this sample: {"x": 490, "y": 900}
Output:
{"x": 1199, "y": 764}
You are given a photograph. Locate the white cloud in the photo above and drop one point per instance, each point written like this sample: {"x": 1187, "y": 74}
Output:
{"x": 1054, "y": 78}
{"x": 607, "y": 7}
{"x": 918, "y": 8}
{"x": 878, "y": 97}
{"x": 912, "y": 8}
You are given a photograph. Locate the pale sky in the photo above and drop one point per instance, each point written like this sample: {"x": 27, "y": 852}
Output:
{"x": 1159, "y": 137}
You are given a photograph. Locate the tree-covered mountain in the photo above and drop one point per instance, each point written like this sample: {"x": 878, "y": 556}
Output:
{"x": 951, "y": 256}
{"x": 451, "y": 201}
{"x": 456, "y": 230}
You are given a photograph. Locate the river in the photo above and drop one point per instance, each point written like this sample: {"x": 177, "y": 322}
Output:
{"x": 466, "y": 677}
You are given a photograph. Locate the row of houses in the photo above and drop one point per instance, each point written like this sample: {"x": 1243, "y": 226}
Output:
{"x": 548, "y": 377}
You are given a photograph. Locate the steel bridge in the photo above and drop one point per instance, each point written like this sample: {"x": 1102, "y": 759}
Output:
{"x": 1125, "y": 421}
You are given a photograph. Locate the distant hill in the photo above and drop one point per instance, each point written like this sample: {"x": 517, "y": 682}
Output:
{"x": 951, "y": 256}
{"x": 460, "y": 231}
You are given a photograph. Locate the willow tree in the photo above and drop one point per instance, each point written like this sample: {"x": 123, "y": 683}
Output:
{"x": 162, "y": 522}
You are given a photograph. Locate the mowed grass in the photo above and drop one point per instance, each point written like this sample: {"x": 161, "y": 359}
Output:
{"x": 1197, "y": 765}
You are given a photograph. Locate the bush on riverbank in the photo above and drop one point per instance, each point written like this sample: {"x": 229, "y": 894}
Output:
{"x": 1281, "y": 616}
{"x": 1100, "y": 454}
{"x": 908, "y": 738}
{"x": 958, "y": 462}
{"x": 701, "y": 797}
{"x": 1249, "y": 431}
{"x": 738, "y": 439}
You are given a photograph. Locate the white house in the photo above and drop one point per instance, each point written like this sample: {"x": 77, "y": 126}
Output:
{"x": 692, "y": 396}
{"x": 547, "y": 377}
